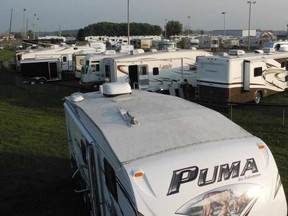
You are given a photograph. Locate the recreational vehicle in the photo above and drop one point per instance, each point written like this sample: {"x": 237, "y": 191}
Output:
{"x": 64, "y": 54}
{"x": 154, "y": 71}
{"x": 91, "y": 75}
{"x": 143, "y": 153}
{"x": 273, "y": 46}
{"x": 241, "y": 77}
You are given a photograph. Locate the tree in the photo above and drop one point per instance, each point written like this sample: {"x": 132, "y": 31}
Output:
{"x": 174, "y": 28}
{"x": 80, "y": 35}
{"x": 119, "y": 29}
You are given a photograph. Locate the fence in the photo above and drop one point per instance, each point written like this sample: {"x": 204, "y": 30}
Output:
{"x": 272, "y": 114}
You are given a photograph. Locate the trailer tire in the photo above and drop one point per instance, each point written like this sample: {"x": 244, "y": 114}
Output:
{"x": 95, "y": 87}
{"x": 42, "y": 80}
{"x": 258, "y": 96}
{"x": 32, "y": 81}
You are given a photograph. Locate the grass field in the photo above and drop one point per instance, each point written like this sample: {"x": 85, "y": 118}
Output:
{"x": 35, "y": 168}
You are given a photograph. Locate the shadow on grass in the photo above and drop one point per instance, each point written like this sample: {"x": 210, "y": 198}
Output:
{"x": 44, "y": 189}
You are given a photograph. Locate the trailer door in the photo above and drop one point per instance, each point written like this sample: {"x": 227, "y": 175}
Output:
{"x": 143, "y": 76}
{"x": 64, "y": 63}
{"x": 53, "y": 70}
{"x": 246, "y": 76}
{"x": 133, "y": 76}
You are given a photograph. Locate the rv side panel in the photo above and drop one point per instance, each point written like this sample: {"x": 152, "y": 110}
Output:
{"x": 35, "y": 69}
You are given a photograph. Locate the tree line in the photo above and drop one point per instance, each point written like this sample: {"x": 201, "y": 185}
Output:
{"x": 121, "y": 29}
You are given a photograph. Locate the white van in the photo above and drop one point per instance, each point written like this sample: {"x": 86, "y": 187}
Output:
{"x": 143, "y": 153}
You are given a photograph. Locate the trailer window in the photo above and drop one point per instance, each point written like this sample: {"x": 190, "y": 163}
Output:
{"x": 143, "y": 70}
{"x": 155, "y": 71}
{"x": 83, "y": 150}
{"x": 110, "y": 179}
{"x": 284, "y": 64}
{"x": 257, "y": 71}
{"x": 64, "y": 59}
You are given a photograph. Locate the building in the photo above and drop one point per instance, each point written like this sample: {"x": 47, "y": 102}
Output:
{"x": 236, "y": 33}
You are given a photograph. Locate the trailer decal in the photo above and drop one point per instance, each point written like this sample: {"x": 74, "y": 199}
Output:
{"x": 120, "y": 68}
{"x": 226, "y": 172}
{"x": 236, "y": 200}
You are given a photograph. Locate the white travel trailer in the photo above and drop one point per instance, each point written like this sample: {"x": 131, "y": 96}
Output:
{"x": 64, "y": 54}
{"x": 241, "y": 77}
{"x": 144, "y": 153}
{"x": 78, "y": 57}
{"x": 155, "y": 71}
{"x": 91, "y": 75}
{"x": 273, "y": 46}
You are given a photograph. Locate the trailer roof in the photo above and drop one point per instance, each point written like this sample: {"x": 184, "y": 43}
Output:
{"x": 162, "y": 123}
{"x": 254, "y": 56}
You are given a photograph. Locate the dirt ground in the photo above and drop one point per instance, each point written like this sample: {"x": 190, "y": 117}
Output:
{"x": 49, "y": 192}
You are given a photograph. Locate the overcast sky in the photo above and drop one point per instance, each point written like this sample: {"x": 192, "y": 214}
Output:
{"x": 53, "y": 15}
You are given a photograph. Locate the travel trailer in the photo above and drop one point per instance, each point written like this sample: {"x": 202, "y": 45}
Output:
{"x": 40, "y": 71}
{"x": 273, "y": 46}
{"x": 78, "y": 57}
{"x": 241, "y": 77}
{"x": 143, "y": 153}
{"x": 63, "y": 53}
{"x": 155, "y": 71}
{"x": 91, "y": 75}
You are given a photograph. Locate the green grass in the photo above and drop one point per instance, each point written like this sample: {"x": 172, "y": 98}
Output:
{"x": 29, "y": 128}
{"x": 269, "y": 123}
{"x": 34, "y": 150}
{"x": 6, "y": 54}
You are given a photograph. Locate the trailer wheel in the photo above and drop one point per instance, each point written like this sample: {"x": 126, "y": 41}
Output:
{"x": 95, "y": 87}
{"x": 42, "y": 81}
{"x": 258, "y": 96}
{"x": 32, "y": 81}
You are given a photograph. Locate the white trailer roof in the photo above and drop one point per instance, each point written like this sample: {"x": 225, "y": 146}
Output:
{"x": 164, "y": 122}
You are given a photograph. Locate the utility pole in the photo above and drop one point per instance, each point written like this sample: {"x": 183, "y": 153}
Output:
{"x": 188, "y": 24}
{"x": 24, "y": 28}
{"x": 10, "y": 26}
{"x": 224, "y": 13}
{"x": 128, "y": 21}
{"x": 249, "y": 2}
{"x": 34, "y": 26}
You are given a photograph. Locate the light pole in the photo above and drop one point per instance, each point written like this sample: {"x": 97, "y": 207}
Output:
{"x": 250, "y": 3}
{"x": 188, "y": 25}
{"x": 24, "y": 28}
{"x": 165, "y": 28}
{"x": 224, "y": 13}
{"x": 34, "y": 26}
{"x": 128, "y": 21}
{"x": 38, "y": 27}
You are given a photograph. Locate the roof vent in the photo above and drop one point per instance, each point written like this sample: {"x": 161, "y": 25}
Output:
{"x": 235, "y": 52}
{"x": 137, "y": 51}
{"x": 259, "y": 51}
{"x": 77, "y": 97}
{"x": 109, "y": 52}
{"x": 114, "y": 89}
